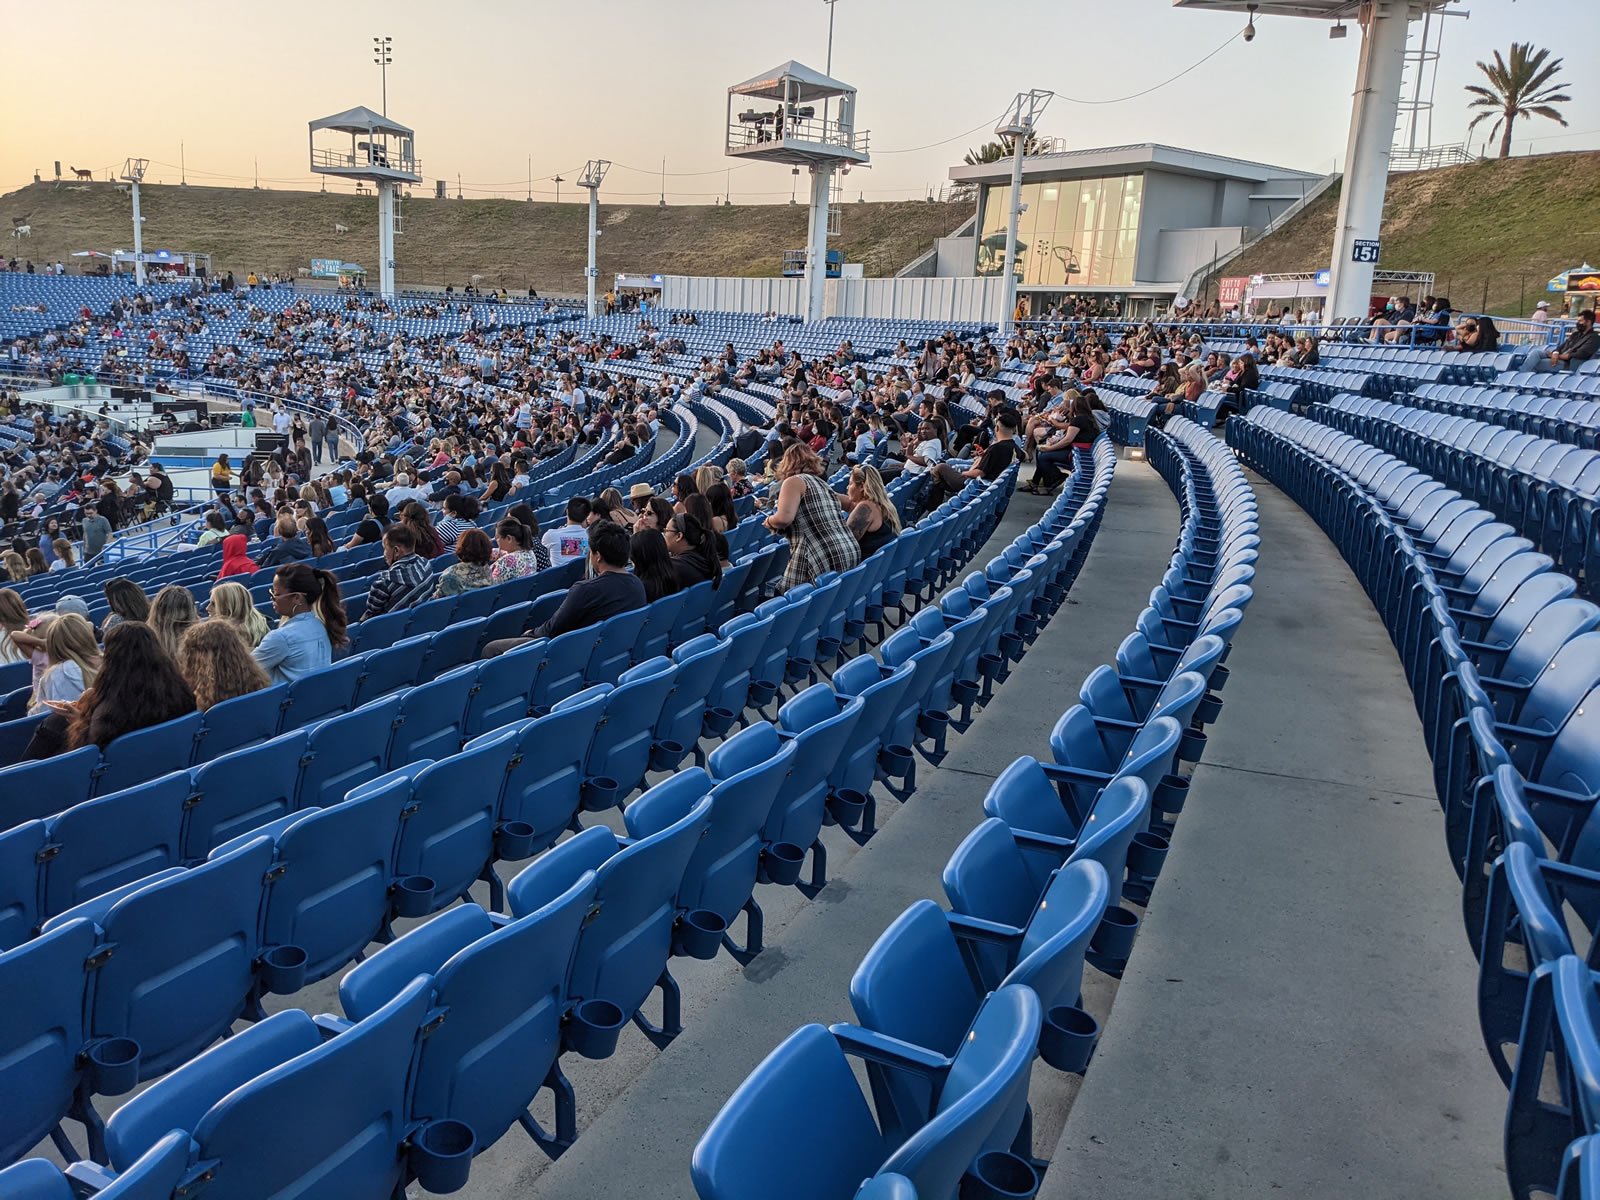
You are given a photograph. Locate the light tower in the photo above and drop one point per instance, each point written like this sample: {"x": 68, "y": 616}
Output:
{"x": 1017, "y": 124}
{"x": 133, "y": 172}
{"x": 382, "y": 152}
{"x": 594, "y": 174}
{"x": 1373, "y": 112}
{"x": 792, "y": 132}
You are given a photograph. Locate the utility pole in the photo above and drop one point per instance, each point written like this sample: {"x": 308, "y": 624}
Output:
{"x": 381, "y": 55}
{"x": 133, "y": 172}
{"x": 558, "y": 181}
{"x": 1017, "y": 124}
{"x": 594, "y": 173}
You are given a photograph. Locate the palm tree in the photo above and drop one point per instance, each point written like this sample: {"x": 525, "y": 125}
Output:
{"x": 994, "y": 151}
{"x": 1524, "y": 88}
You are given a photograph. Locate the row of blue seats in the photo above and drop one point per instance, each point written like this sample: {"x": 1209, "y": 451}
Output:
{"x": 952, "y": 1006}
{"x": 1549, "y": 491}
{"x": 635, "y": 886}
{"x": 1501, "y": 657}
{"x": 1574, "y": 421}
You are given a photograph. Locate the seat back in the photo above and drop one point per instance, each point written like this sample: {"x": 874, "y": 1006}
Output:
{"x": 505, "y": 991}
{"x": 622, "y": 740}
{"x": 327, "y": 1122}
{"x": 700, "y": 662}
{"x": 323, "y": 694}
{"x": 42, "y": 787}
{"x": 748, "y": 771}
{"x": 331, "y": 896}
{"x": 624, "y": 947}
{"x": 41, "y": 1033}
{"x": 243, "y": 721}
{"x": 797, "y": 1128}
{"x": 345, "y": 752}
{"x": 184, "y": 960}
{"x": 820, "y": 723}
{"x": 448, "y": 828}
{"x": 242, "y": 791}
{"x": 985, "y": 1092}
{"x": 503, "y": 690}
{"x": 613, "y": 645}
{"x": 431, "y": 717}
{"x": 544, "y": 779}
{"x": 102, "y": 844}
{"x": 391, "y": 669}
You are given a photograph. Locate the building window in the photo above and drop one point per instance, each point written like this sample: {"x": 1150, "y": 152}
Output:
{"x": 1075, "y": 232}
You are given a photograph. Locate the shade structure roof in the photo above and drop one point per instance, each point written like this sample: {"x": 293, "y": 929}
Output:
{"x": 1318, "y": 10}
{"x": 362, "y": 119}
{"x": 804, "y": 83}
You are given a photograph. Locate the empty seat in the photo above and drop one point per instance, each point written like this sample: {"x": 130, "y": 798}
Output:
{"x": 799, "y": 1128}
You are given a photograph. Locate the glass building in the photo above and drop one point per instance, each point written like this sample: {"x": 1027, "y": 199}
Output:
{"x": 1134, "y": 225}
{"x": 1074, "y": 233}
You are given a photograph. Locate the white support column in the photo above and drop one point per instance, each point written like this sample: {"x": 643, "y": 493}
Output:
{"x": 817, "y": 243}
{"x": 1008, "y": 292}
{"x": 1366, "y": 158}
{"x": 386, "y": 196}
{"x": 591, "y": 275}
{"x": 138, "y": 237}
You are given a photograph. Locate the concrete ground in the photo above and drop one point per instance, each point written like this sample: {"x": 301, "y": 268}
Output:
{"x": 1298, "y": 1017}
{"x": 639, "y": 1144}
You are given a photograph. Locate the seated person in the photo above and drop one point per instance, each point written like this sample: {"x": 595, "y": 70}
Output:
{"x": 612, "y": 590}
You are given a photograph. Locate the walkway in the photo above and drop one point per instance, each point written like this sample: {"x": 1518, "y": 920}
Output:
{"x": 1298, "y": 1017}
{"x": 640, "y": 1145}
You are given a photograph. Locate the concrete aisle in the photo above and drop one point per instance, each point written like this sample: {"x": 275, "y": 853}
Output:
{"x": 1298, "y": 1017}
{"x": 641, "y": 1144}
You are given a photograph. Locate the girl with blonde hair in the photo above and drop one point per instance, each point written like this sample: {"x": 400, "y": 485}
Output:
{"x": 16, "y": 566}
{"x": 230, "y": 604}
{"x": 217, "y": 664}
{"x": 74, "y": 661}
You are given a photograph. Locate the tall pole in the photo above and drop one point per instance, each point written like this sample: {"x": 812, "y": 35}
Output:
{"x": 1366, "y": 159}
{"x": 1014, "y": 214}
{"x": 138, "y": 237}
{"x": 817, "y": 243}
{"x": 381, "y": 47}
{"x": 1018, "y": 125}
{"x": 594, "y": 173}
{"x": 828, "y": 68}
{"x": 386, "y": 198}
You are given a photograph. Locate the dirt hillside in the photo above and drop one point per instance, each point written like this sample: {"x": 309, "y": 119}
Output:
{"x": 444, "y": 241}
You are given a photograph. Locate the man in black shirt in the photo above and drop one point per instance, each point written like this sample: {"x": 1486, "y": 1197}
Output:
{"x": 1000, "y": 455}
{"x": 612, "y": 590}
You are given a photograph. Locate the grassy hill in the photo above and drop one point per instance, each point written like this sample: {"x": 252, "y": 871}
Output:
{"x": 444, "y": 241}
{"x": 1492, "y": 232}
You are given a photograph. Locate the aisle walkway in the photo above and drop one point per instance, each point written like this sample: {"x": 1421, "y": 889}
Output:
{"x": 640, "y": 1146}
{"x": 1298, "y": 1018}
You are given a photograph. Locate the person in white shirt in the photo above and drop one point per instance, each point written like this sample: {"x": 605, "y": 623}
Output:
{"x": 281, "y": 420}
{"x": 401, "y": 491}
{"x": 571, "y": 540}
{"x": 1541, "y": 312}
{"x": 928, "y": 450}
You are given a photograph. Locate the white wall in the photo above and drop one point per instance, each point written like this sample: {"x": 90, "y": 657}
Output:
{"x": 955, "y": 256}
{"x": 969, "y": 299}
{"x": 1180, "y": 252}
{"x": 707, "y": 293}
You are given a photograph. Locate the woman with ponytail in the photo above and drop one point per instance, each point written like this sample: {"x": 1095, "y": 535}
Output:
{"x": 312, "y": 622}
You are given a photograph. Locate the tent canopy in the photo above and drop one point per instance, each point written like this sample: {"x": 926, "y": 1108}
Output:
{"x": 806, "y": 84}
{"x": 362, "y": 119}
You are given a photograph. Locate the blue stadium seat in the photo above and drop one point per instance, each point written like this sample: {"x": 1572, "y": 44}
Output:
{"x": 243, "y": 721}
{"x": 103, "y": 844}
{"x": 820, "y": 723}
{"x": 625, "y": 735}
{"x": 184, "y": 957}
{"x": 623, "y": 951}
{"x": 431, "y": 717}
{"x": 153, "y": 1176}
{"x": 41, "y": 787}
{"x": 389, "y": 670}
{"x": 545, "y": 787}
{"x": 277, "y": 1110}
{"x": 130, "y": 759}
{"x": 501, "y": 694}
{"x": 504, "y": 987}
{"x": 325, "y": 693}
{"x": 344, "y": 752}
{"x": 806, "y": 1086}
{"x": 243, "y": 790}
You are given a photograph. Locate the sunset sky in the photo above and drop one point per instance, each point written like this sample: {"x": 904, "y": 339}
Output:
{"x": 489, "y": 83}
